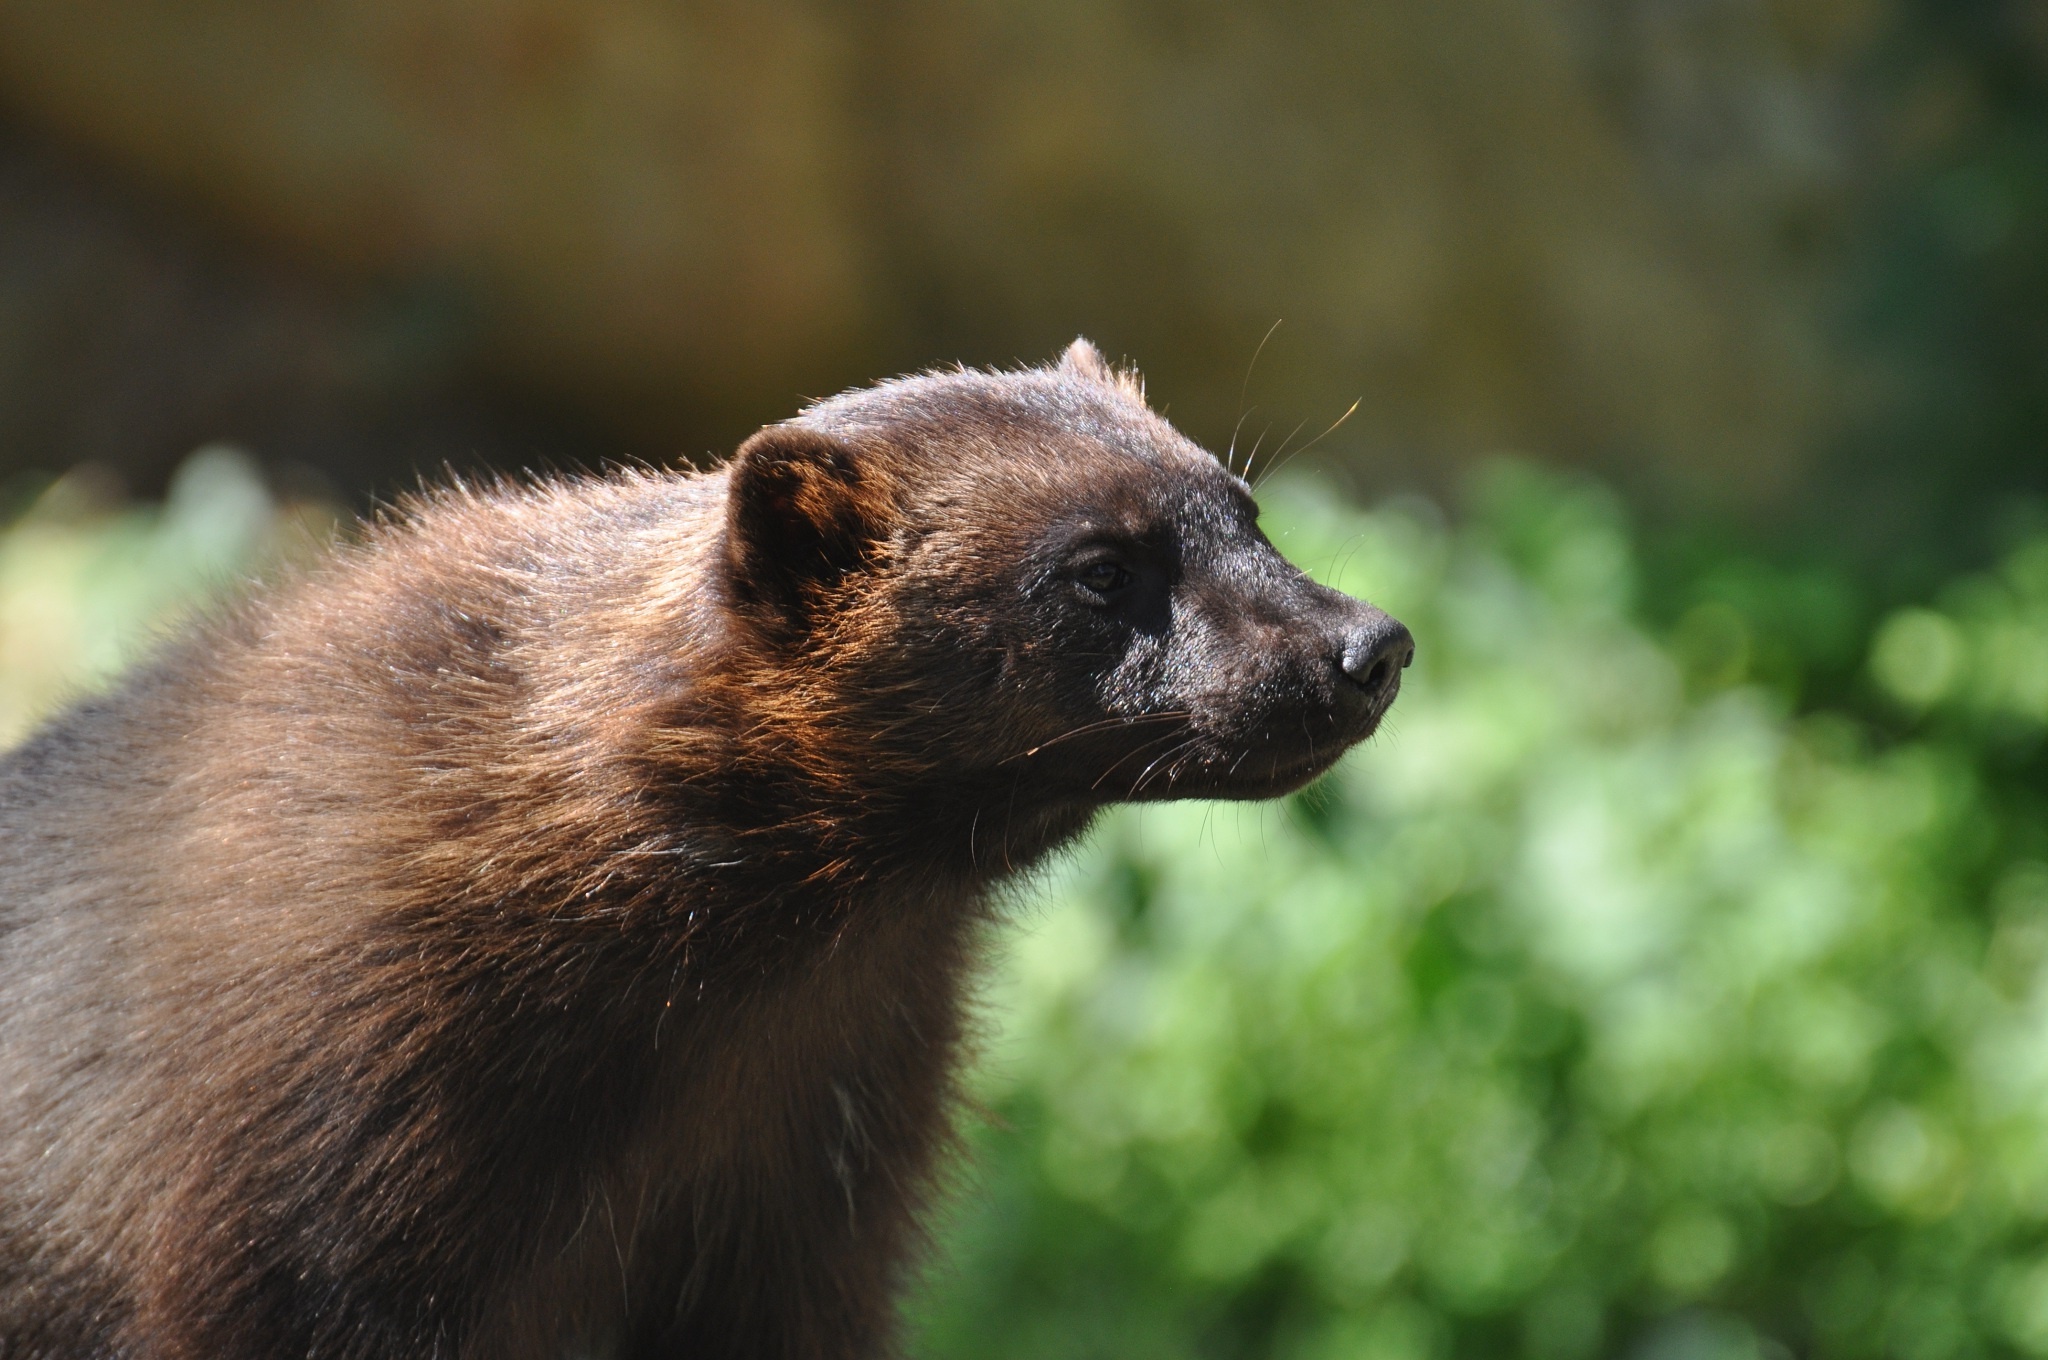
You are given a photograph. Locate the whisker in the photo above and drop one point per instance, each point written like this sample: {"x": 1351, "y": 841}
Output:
{"x": 1168, "y": 754}
{"x": 1103, "y": 724}
{"x": 1348, "y": 413}
{"x": 1245, "y": 391}
{"x": 1231, "y": 452}
{"x": 1133, "y": 754}
{"x": 1253, "y": 456}
{"x": 1285, "y": 442}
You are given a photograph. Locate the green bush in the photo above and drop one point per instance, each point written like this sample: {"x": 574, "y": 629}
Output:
{"x": 85, "y": 585}
{"x": 1615, "y": 1000}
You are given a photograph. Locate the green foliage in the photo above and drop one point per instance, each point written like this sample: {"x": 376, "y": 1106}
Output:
{"x": 1604, "y": 1004}
{"x": 85, "y": 586}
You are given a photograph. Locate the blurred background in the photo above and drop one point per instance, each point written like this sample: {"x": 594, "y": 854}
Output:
{"x": 1669, "y": 979}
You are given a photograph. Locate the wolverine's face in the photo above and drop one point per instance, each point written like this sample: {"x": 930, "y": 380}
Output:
{"x": 1080, "y": 603}
{"x": 1190, "y": 658}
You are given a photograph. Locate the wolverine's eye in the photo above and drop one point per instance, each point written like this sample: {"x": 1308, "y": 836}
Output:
{"x": 1103, "y": 579}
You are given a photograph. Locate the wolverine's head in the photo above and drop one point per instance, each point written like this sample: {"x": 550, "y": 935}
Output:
{"x": 1029, "y": 581}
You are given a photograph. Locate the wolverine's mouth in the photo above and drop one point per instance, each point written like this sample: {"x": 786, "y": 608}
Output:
{"x": 1261, "y": 778}
{"x": 1168, "y": 755}
{"x": 1248, "y": 773}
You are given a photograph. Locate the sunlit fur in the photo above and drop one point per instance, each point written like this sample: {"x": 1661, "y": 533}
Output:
{"x": 540, "y": 928}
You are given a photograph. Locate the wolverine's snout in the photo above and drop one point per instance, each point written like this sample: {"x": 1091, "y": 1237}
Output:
{"x": 1373, "y": 653}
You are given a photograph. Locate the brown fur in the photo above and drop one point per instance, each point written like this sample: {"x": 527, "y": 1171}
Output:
{"x": 540, "y": 930}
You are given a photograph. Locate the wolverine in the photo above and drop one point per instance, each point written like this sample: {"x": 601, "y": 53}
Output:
{"x": 542, "y": 927}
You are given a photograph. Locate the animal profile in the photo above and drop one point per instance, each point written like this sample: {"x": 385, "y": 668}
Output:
{"x": 541, "y": 927}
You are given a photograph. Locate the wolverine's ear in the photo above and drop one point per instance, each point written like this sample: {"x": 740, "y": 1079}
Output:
{"x": 1085, "y": 361}
{"x": 798, "y": 518}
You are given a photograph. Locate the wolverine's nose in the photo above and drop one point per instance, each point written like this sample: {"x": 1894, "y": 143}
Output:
{"x": 1376, "y": 651}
